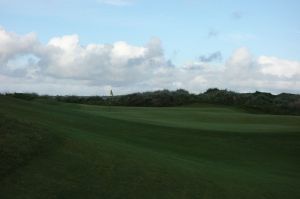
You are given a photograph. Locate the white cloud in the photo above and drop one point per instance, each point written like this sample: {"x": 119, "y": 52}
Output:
{"x": 240, "y": 65}
{"x": 12, "y": 45}
{"x": 279, "y": 67}
{"x": 114, "y": 63}
{"x": 64, "y": 66}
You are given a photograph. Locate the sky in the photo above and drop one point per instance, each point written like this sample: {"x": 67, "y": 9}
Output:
{"x": 72, "y": 47}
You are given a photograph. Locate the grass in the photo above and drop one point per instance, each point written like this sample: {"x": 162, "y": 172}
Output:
{"x": 126, "y": 152}
{"x": 19, "y": 142}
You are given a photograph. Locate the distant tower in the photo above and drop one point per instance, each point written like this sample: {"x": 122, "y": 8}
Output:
{"x": 111, "y": 93}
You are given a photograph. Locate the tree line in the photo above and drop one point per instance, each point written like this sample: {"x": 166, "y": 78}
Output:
{"x": 283, "y": 103}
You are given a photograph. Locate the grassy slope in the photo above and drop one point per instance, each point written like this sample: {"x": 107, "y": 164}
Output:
{"x": 121, "y": 152}
{"x": 19, "y": 143}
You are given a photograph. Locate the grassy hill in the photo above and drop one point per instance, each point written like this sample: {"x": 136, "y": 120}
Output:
{"x": 57, "y": 150}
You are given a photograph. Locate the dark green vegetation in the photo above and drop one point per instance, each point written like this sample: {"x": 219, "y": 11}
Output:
{"x": 85, "y": 151}
{"x": 19, "y": 142}
{"x": 258, "y": 102}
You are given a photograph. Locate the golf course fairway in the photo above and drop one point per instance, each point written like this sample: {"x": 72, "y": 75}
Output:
{"x": 58, "y": 150}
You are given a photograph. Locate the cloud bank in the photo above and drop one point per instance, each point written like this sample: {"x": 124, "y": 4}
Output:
{"x": 64, "y": 66}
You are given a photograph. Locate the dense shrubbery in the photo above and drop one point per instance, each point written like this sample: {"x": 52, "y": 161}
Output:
{"x": 156, "y": 98}
{"x": 259, "y": 101}
{"x": 24, "y": 96}
{"x": 81, "y": 100}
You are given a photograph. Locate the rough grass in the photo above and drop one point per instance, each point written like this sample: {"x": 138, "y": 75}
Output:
{"x": 125, "y": 152}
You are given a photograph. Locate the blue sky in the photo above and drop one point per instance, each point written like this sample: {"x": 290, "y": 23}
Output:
{"x": 187, "y": 29}
{"x": 264, "y": 26}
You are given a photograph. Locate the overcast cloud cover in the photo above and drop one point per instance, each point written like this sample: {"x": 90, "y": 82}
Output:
{"x": 64, "y": 66}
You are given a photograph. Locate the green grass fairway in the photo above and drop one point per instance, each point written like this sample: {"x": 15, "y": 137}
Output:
{"x": 57, "y": 150}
